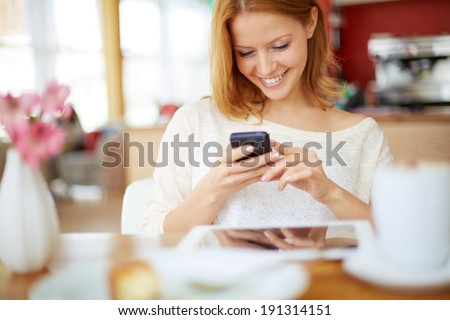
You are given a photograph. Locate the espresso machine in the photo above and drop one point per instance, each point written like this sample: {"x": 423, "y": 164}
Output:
{"x": 411, "y": 71}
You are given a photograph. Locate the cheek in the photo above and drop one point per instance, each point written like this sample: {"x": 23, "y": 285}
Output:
{"x": 294, "y": 58}
{"x": 244, "y": 66}
{"x": 297, "y": 54}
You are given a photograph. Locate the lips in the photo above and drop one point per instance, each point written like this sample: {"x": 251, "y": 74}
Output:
{"x": 274, "y": 80}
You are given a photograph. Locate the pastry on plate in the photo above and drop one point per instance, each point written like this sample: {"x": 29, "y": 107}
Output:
{"x": 133, "y": 280}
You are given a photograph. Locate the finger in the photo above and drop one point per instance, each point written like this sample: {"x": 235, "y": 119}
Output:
{"x": 293, "y": 232}
{"x": 274, "y": 178}
{"x": 299, "y": 155}
{"x": 254, "y": 246}
{"x": 291, "y": 177}
{"x": 235, "y": 163}
{"x": 258, "y": 161}
{"x": 317, "y": 232}
{"x": 275, "y": 145}
{"x": 238, "y": 181}
{"x": 295, "y": 237}
{"x": 245, "y": 238}
{"x": 277, "y": 232}
{"x": 276, "y": 170}
{"x": 246, "y": 244}
{"x": 302, "y": 242}
{"x": 263, "y": 160}
{"x": 239, "y": 154}
{"x": 236, "y": 154}
{"x": 277, "y": 241}
{"x": 288, "y": 150}
{"x": 249, "y": 235}
{"x": 319, "y": 235}
{"x": 241, "y": 178}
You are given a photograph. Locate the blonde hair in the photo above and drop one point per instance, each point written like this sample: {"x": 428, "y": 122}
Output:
{"x": 234, "y": 95}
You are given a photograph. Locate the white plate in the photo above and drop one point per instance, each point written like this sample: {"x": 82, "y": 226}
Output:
{"x": 245, "y": 274}
{"x": 367, "y": 265}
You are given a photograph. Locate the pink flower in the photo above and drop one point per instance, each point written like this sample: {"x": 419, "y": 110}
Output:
{"x": 54, "y": 97}
{"x": 13, "y": 109}
{"x": 30, "y": 121}
{"x": 67, "y": 111}
{"x": 36, "y": 141}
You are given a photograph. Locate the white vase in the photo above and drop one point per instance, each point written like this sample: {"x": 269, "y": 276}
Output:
{"x": 29, "y": 226}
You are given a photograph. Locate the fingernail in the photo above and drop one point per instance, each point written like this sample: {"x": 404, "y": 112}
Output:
{"x": 268, "y": 234}
{"x": 276, "y": 156}
{"x": 264, "y": 177}
{"x": 289, "y": 240}
{"x": 288, "y": 178}
{"x": 249, "y": 148}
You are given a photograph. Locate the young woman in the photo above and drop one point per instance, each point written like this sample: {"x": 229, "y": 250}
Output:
{"x": 269, "y": 62}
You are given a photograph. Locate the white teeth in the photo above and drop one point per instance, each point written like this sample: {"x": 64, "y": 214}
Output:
{"x": 273, "y": 80}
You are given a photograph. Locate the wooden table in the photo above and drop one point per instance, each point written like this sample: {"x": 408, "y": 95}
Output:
{"x": 328, "y": 279}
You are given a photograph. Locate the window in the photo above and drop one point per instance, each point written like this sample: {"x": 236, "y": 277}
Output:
{"x": 80, "y": 60}
{"x": 165, "y": 47}
{"x": 61, "y": 39}
{"x": 16, "y": 54}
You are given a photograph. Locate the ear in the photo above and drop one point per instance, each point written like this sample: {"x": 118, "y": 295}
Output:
{"x": 312, "y": 23}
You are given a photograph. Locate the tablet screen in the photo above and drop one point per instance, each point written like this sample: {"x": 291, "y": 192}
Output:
{"x": 285, "y": 238}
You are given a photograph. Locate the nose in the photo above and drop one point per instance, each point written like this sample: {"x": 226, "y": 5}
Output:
{"x": 265, "y": 64}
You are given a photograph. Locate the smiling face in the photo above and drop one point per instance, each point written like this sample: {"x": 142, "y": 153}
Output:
{"x": 271, "y": 51}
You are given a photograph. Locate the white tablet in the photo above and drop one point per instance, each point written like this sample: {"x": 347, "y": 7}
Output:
{"x": 334, "y": 240}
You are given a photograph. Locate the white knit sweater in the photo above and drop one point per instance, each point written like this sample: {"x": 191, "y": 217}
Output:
{"x": 260, "y": 204}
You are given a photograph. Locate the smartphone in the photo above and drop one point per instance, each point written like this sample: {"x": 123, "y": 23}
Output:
{"x": 259, "y": 139}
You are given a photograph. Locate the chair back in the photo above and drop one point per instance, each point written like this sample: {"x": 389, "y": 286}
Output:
{"x": 135, "y": 200}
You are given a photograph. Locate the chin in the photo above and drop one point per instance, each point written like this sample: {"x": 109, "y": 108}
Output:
{"x": 275, "y": 96}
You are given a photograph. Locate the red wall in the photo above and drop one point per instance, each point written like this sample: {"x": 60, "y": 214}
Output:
{"x": 406, "y": 17}
{"x": 325, "y": 5}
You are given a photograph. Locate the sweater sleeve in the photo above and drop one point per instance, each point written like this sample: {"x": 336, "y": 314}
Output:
{"x": 384, "y": 156}
{"x": 172, "y": 175}
{"x": 372, "y": 153}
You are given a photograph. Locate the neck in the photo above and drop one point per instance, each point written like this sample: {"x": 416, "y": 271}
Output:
{"x": 302, "y": 115}
{"x": 288, "y": 107}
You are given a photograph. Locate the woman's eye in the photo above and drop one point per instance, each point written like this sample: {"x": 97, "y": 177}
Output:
{"x": 281, "y": 47}
{"x": 244, "y": 54}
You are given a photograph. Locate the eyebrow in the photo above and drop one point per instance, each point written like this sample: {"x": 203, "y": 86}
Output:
{"x": 269, "y": 43}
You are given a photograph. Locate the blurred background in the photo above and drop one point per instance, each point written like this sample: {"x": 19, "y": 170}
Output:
{"x": 131, "y": 63}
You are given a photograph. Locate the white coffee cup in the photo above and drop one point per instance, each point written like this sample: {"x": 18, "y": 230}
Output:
{"x": 411, "y": 211}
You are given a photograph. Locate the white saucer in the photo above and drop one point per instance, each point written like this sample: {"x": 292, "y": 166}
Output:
{"x": 245, "y": 274}
{"x": 367, "y": 265}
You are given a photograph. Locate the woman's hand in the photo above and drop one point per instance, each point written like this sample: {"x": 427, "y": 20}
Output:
{"x": 298, "y": 238}
{"x": 302, "y": 169}
{"x": 284, "y": 238}
{"x": 233, "y": 174}
{"x": 245, "y": 238}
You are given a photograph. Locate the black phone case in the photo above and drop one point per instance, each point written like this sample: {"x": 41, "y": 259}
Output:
{"x": 259, "y": 139}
